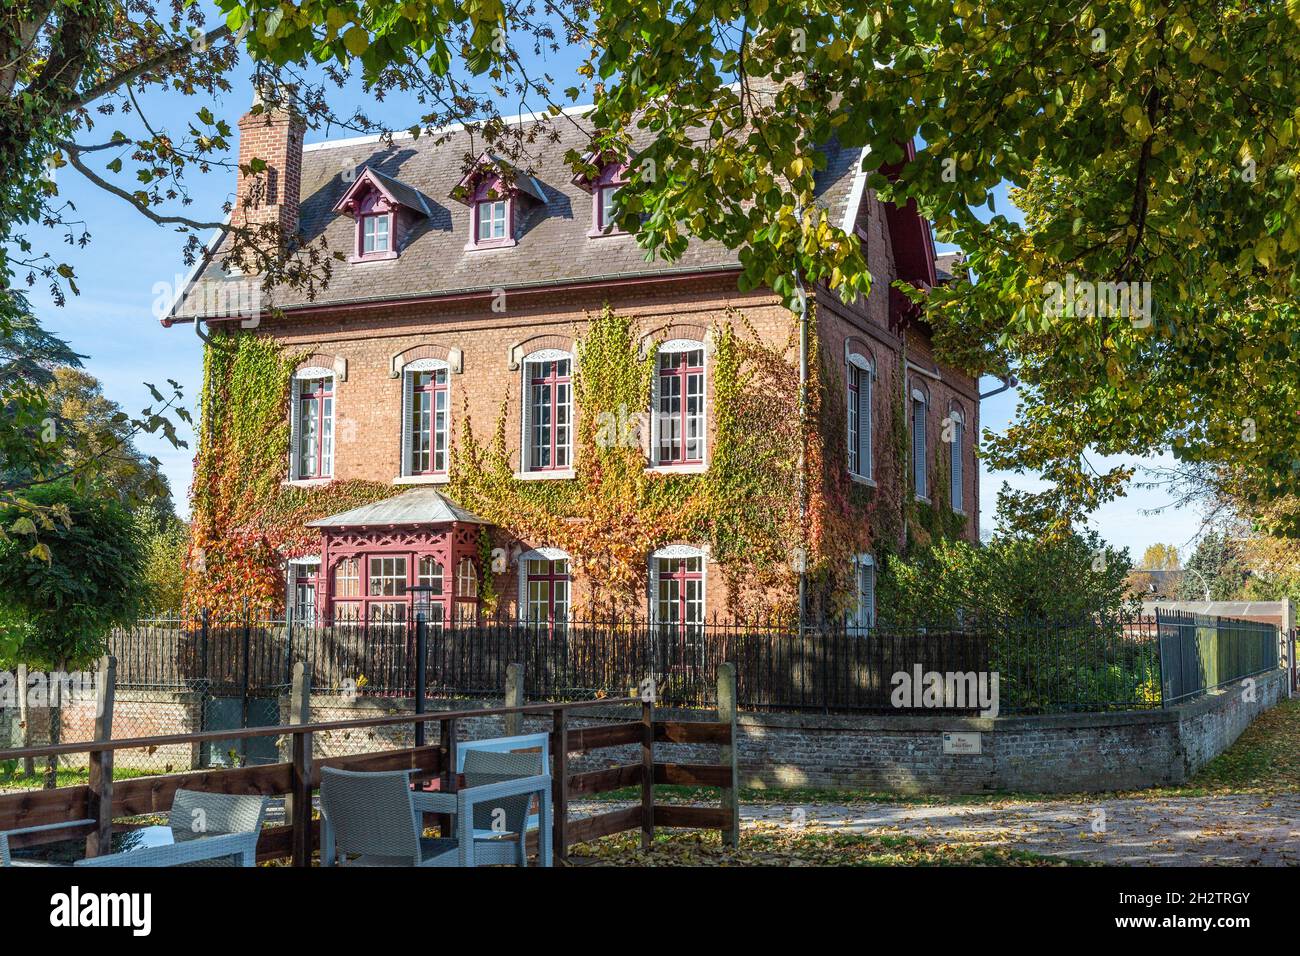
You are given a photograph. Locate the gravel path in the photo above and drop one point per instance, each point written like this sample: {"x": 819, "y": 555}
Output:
{"x": 1228, "y": 830}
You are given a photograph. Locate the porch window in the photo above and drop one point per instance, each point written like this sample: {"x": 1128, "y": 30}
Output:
{"x": 313, "y": 424}
{"x": 679, "y": 413}
{"x": 466, "y": 609}
{"x": 546, "y": 588}
{"x": 426, "y": 420}
{"x": 431, "y": 576}
{"x": 548, "y": 399}
{"x": 859, "y": 415}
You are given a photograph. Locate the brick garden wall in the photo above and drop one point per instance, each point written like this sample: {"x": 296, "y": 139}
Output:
{"x": 1066, "y": 753}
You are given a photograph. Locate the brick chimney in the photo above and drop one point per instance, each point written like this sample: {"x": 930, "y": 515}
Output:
{"x": 275, "y": 137}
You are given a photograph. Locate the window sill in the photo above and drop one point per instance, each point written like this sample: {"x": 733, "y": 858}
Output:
{"x": 559, "y": 474}
{"x": 862, "y": 480}
{"x": 690, "y": 468}
{"x": 374, "y": 257}
{"x": 485, "y": 245}
{"x": 612, "y": 234}
{"x": 922, "y": 500}
{"x": 421, "y": 479}
{"x": 305, "y": 482}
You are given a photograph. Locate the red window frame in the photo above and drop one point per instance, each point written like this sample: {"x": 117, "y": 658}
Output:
{"x": 432, "y": 390}
{"x": 683, "y": 372}
{"x": 681, "y": 576}
{"x": 508, "y": 235}
{"x": 409, "y": 600}
{"x": 550, "y": 577}
{"x": 361, "y": 235}
{"x": 324, "y": 391}
{"x": 554, "y": 379}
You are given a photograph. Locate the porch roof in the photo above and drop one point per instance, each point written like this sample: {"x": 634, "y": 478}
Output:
{"x": 415, "y": 507}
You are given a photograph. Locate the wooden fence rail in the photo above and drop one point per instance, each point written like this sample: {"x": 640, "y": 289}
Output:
{"x": 104, "y": 800}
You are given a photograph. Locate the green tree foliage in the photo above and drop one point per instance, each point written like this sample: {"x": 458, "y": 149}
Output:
{"x": 1151, "y": 143}
{"x": 59, "y": 611}
{"x": 1013, "y": 579}
{"x": 165, "y": 539}
{"x": 1218, "y": 567}
{"x": 98, "y": 436}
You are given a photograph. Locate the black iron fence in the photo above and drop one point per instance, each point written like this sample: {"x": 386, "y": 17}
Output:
{"x": 1016, "y": 666}
{"x": 1201, "y": 653}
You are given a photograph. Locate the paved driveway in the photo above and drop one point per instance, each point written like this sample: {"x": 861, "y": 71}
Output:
{"x": 1172, "y": 831}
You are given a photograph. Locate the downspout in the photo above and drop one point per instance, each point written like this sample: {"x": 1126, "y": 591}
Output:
{"x": 803, "y": 434}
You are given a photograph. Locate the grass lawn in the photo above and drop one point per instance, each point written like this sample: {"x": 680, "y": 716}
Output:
{"x": 67, "y": 777}
{"x": 771, "y": 846}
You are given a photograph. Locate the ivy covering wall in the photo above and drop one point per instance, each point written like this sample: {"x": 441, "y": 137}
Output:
{"x": 246, "y": 521}
{"x": 744, "y": 507}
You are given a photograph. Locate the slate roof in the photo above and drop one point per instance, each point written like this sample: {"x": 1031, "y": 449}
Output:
{"x": 553, "y": 246}
{"x": 419, "y": 506}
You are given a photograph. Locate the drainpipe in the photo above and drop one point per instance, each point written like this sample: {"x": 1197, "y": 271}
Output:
{"x": 803, "y": 425}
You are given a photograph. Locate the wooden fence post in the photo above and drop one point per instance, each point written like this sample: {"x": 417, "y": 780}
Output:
{"x": 647, "y": 773}
{"x": 25, "y": 718}
{"x": 300, "y": 798}
{"x": 728, "y": 752}
{"x": 447, "y": 781}
{"x": 299, "y": 713}
{"x": 100, "y": 803}
{"x": 514, "y": 723}
{"x": 560, "y": 785}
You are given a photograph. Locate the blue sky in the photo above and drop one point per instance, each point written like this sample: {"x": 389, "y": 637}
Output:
{"x": 112, "y": 322}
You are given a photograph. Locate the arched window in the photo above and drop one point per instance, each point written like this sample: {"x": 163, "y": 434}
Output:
{"x": 426, "y": 417}
{"x": 858, "y": 374}
{"x": 545, "y": 587}
{"x": 920, "y": 409}
{"x": 312, "y": 424}
{"x": 677, "y": 587}
{"x": 466, "y": 592}
{"x": 863, "y": 611}
{"x": 680, "y": 422}
{"x": 548, "y": 411}
{"x": 955, "y": 431}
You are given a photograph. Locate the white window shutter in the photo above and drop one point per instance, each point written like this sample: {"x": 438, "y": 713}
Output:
{"x": 526, "y": 419}
{"x": 408, "y": 396}
{"x": 918, "y": 447}
{"x": 869, "y": 596}
{"x": 295, "y": 464}
{"x": 864, "y": 423}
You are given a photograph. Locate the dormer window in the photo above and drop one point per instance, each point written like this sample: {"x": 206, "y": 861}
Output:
{"x": 376, "y": 233}
{"x": 603, "y": 187}
{"x": 500, "y": 199}
{"x": 608, "y": 210}
{"x": 492, "y": 215}
{"x": 383, "y": 208}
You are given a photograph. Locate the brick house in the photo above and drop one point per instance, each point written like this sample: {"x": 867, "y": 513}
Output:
{"x": 458, "y": 290}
